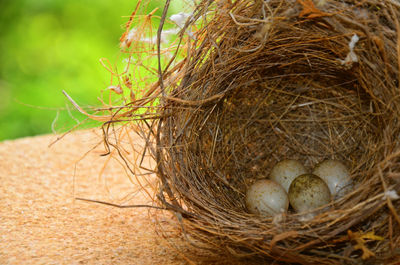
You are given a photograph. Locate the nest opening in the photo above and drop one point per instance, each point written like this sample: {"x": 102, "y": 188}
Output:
{"x": 308, "y": 111}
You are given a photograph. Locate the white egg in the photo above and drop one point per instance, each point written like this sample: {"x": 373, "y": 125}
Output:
{"x": 308, "y": 192}
{"x": 284, "y": 172}
{"x": 336, "y": 175}
{"x": 266, "y": 197}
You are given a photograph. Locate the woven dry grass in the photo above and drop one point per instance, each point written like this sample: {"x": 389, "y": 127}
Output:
{"x": 263, "y": 81}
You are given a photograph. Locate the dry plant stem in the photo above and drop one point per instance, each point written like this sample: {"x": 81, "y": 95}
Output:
{"x": 120, "y": 206}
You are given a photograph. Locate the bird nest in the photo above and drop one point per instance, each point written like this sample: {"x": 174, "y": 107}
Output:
{"x": 264, "y": 81}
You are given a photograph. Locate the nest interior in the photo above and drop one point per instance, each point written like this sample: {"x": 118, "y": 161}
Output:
{"x": 271, "y": 80}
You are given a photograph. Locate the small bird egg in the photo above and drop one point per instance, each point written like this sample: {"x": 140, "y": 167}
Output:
{"x": 266, "y": 197}
{"x": 308, "y": 192}
{"x": 284, "y": 172}
{"x": 335, "y": 174}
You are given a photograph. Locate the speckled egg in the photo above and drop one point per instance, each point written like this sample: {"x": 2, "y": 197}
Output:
{"x": 284, "y": 172}
{"x": 308, "y": 192}
{"x": 336, "y": 175}
{"x": 267, "y": 198}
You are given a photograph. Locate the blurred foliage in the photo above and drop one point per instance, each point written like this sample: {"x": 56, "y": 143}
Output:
{"x": 47, "y": 46}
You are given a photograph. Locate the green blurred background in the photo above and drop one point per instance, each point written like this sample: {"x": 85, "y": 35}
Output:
{"x": 47, "y": 46}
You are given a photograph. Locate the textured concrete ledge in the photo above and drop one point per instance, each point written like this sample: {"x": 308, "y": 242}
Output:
{"x": 41, "y": 223}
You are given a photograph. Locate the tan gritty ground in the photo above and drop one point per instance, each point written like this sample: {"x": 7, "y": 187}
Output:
{"x": 41, "y": 223}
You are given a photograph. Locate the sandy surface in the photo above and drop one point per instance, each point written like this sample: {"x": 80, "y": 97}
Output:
{"x": 41, "y": 223}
